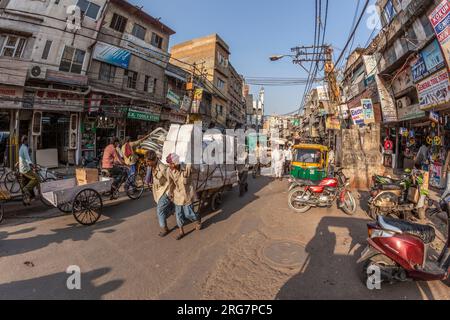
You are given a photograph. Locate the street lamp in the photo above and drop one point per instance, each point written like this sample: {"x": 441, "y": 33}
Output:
{"x": 277, "y": 57}
{"x": 281, "y": 56}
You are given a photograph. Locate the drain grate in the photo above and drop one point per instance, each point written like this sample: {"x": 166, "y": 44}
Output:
{"x": 285, "y": 254}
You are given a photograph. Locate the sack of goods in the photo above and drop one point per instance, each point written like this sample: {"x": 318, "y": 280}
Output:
{"x": 155, "y": 141}
{"x": 207, "y": 153}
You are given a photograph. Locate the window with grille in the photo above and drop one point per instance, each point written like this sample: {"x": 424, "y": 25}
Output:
{"x": 131, "y": 79}
{"x": 107, "y": 72}
{"x": 72, "y": 60}
{"x": 157, "y": 41}
{"x": 13, "y": 46}
{"x": 139, "y": 31}
{"x": 89, "y": 9}
{"x": 118, "y": 22}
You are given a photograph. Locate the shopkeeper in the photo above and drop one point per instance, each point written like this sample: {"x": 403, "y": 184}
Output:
{"x": 421, "y": 156}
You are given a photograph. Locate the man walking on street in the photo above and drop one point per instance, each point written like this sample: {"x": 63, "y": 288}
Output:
{"x": 160, "y": 191}
{"x": 25, "y": 169}
{"x": 278, "y": 162}
{"x": 183, "y": 191}
{"x": 288, "y": 160}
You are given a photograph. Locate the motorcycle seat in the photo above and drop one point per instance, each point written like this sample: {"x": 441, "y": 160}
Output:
{"x": 391, "y": 187}
{"x": 306, "y": 182}
{"x": 424, "y": 232}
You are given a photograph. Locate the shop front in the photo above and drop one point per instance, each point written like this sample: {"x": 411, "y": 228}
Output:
{"x": 141, "y": 121}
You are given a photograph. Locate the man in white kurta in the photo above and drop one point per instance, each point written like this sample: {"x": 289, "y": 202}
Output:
{"x": 278, "y": 162}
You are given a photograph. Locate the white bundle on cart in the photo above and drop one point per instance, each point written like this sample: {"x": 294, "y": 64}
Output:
{"x": 188, "y": 142}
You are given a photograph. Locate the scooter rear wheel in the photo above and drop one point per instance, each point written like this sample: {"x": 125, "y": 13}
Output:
{"x": 379, "y": 261}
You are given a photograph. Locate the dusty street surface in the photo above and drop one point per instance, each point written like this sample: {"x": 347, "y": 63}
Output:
{"x": 253, "y": 248}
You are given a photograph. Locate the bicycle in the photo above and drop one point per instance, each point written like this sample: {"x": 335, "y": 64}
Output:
{"x": 134, "y": 184}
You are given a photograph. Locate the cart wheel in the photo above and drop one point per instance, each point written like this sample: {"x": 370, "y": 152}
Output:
{"x": 11, "y": 182}
{"x": 65, "y": 207}
{"x": 216, "y": 201}
{"x": 135, "y": 186}
{"x": 87, "y": 207}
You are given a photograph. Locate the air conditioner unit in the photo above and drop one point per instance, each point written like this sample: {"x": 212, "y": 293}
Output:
{"x": 36, "y": 72}
{"x": 73, "y": 132}
{"x": 403, "y": 102}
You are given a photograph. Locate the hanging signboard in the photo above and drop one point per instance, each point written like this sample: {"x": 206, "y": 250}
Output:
{"x": 369, "y": 115}
{"x": 429, "y": 60}
{"x": 440, "y": 20}
{"x": 333, "y": 123}
{"x": 388, "y": 107}
{"x": 434, "y": 90}
{"x": 434, "y": 116}
{"x": 357, "y": 116}
{"x": 113, "y": 55}
{"x": 172, "y": 97}
{"x": 186, "y": 104}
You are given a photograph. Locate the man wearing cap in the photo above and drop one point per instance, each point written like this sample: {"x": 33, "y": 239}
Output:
{"x": 183, "y": 193}
{"x": 160, "y": 189}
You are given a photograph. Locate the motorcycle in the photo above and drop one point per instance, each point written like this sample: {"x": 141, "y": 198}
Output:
{"x": 398, "y": 249}
{"x": 303, "y": 197}
{"x": 399, "y": 197}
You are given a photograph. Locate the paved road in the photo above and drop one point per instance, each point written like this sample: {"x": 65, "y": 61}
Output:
{"x": 254, "y": 248}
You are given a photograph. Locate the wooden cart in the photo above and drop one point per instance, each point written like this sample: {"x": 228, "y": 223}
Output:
{"x": 83, "y": 201}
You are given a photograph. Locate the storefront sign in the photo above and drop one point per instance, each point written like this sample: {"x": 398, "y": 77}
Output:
{"x": 434, "y": 90}
{"x": 113, "y": 55}
{"x": 429, "y": 60}
{"x": 145, "y": 50}
{"x": 11, "y": 97}
{"x": 186, "y": 104}
{"x": 144, "y": 116}
{"x": 172, "y": 97}
{"x": 56, "y": 101}
{"x": 66, "y": 78}
{"x": 434, "y": 116}
{"x": 369, "y": 115}
{"x": 357, "y": 116}
{"x": 440, "y": 20}
{"x": 174, "y": 117}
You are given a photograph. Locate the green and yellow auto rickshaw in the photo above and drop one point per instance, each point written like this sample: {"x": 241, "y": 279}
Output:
{"x": 310, "y": 162}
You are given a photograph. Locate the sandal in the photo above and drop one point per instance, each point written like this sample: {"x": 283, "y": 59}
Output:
{"x": 163, "y": 233}
{"x": 180, "y": 236}
{"x": 198, "y": 226}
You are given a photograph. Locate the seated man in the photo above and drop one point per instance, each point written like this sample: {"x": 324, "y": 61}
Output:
{"x": 26, "y": 170}
{"x": 113, "y": 163}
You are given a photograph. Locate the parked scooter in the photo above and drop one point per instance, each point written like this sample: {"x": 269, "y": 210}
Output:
{"x": 399, "y": 198}
{"x": 399, "y": 250}
{"x": 324, "y": 194}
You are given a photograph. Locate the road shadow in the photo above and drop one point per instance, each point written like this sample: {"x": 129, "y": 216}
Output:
{"x": 364, "y": 200}
{"x": 331, "y": 271}
{"x": 54, "y": 287}
{"x": 115, "y": 214}
{"x": 232, "y": 203}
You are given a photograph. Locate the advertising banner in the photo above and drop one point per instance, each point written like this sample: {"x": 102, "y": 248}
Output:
{"x": 369, "y": 115}
{"x": 145, "y": 50}
{"x": 357, "y": 115}
{"x": 112, "y": 55}
{"x": 440, "y": 20}
{"x": 434, "y": 90}
{"x": 429, "y": 60}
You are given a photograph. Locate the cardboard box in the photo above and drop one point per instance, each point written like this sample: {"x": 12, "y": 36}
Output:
{"x": 85, "y": 176}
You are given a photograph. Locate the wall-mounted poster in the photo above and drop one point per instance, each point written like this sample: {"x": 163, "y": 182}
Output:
{"x": 434, "y": 90}
{"x": 369, "y": 115}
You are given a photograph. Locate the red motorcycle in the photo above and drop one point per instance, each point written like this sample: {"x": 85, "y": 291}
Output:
{"x": 398, "y": 250}
{"x": 308, "y": 194}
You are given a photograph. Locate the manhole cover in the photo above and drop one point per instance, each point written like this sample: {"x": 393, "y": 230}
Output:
{"x": 285, "y": 253}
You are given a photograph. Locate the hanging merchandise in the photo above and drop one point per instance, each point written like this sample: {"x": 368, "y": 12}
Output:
{"x": 388, "y": 145}
{"x": 437, "y": 141}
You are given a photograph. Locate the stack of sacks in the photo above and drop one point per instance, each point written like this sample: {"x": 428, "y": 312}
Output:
{"x": 179, "y": 141}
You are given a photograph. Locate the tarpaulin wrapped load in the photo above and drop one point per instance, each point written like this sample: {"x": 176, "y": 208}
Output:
{"x": 155, "y": 141}
{"x": 180, "y": 140}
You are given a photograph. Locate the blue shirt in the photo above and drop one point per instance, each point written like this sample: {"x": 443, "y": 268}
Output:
{"x": 24, "y": 159}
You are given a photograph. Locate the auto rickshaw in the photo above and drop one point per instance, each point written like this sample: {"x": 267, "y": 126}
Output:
{"x": 310, "y": 162}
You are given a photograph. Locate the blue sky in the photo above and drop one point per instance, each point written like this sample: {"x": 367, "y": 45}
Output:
{"x": 257, "y": 29}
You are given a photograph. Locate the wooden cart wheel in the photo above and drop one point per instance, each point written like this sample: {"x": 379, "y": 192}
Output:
{"x": 65, "y": 207}
{"x": 216, "y": 201}
{"x": 87, "y": 207}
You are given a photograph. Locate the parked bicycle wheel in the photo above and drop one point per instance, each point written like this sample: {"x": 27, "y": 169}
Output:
{"x": 134, "y": 186}
{"x": 11, "y": 182}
